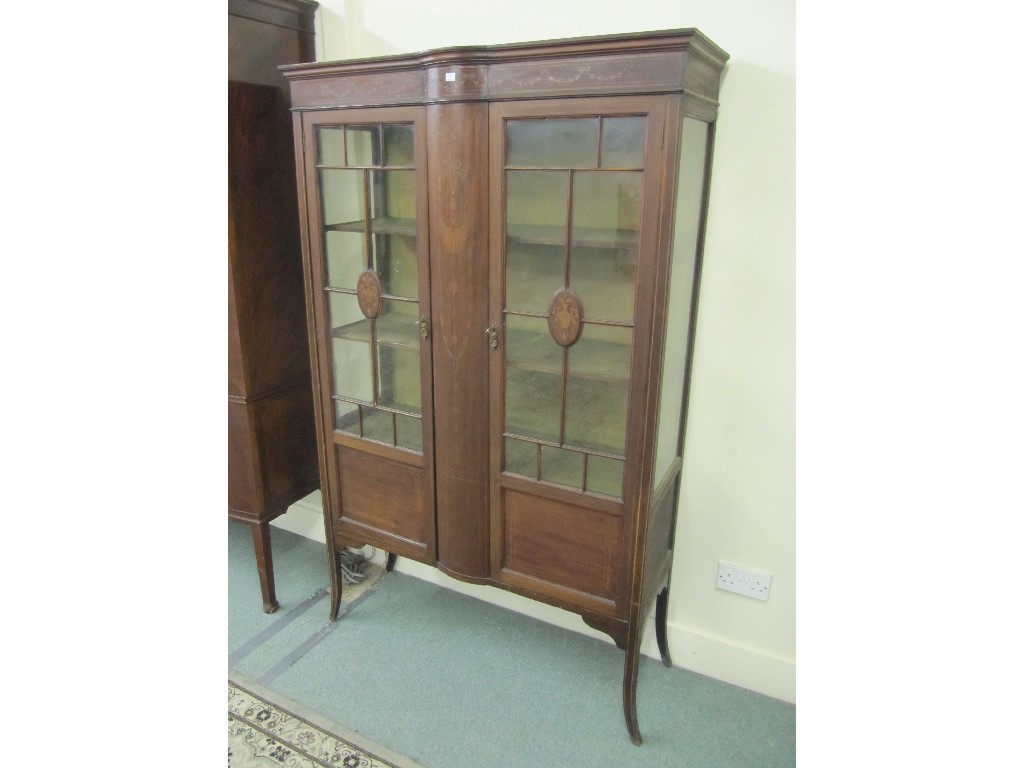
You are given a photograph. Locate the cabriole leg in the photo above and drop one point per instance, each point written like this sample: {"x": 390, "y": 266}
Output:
{"x": 335, "y": 584}
{"x": 629, "y": 688}
{"x": 660, "y": 614}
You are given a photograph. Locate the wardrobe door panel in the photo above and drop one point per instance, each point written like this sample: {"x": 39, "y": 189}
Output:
{"x": 575, "y": 197}
{"x": 370, "y": 291}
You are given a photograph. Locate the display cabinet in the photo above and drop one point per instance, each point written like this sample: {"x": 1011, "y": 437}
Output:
{"x": 502, "y": 256}
{"x": 272, "y": 456}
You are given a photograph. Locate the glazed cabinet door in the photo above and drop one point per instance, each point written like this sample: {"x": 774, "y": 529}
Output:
{"x": 365, "y": 187}
{"x": 576, "y": 188}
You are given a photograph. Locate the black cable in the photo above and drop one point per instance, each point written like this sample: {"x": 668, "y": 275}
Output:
{"x": 353, "y": 566}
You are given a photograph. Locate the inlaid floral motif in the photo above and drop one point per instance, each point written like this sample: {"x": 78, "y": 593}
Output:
{"x": 565, "y": 317}
{"x": 368, "y": 291}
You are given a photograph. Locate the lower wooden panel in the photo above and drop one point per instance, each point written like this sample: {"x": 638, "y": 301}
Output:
{"x": 565, "y": 551}
{"x": 386, "y": 496}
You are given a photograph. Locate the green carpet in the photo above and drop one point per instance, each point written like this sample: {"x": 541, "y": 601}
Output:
{"x": 451, "y": 682}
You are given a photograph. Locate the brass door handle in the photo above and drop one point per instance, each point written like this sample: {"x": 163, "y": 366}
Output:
{"x": 424, "y": 326}
{"x": 492, "y": 336}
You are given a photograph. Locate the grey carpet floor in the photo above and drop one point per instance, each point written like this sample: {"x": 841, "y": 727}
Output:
{"x": 454, "y": 682}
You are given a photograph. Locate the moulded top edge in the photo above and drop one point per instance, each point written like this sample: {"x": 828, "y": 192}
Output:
{"x": 302, "y": 7}
{"x": 658, "y": 40}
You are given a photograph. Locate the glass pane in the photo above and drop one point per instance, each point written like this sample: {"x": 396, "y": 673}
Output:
{"x": 536, "y": 205}
{"x": 363, "y": 145}
{"x": 602, "y": 350}
{"x": 341, "y": 192}
{"x": 605, "y": 476}
{"x": 520, "y": 457}
{"x": 528, "y": 344}
{"x": 597, "y": 391}
{"x": 684, "y": 254}
{"x": 346, "y": 417}
{"x": 532, "y": 275}
{"x": 378, "y": 425}
{"x": 331, "y": 141}
{"x": 410, "y": 432}
{"x": 393, "y": 201}
{"x": 533, "y": 378}
{"x": 394, "y": 261}
{"x": 622, "y": 142}
{"x": 345, "y": 258}
{"x": 556, "y": 143}
{"x": 605, "y": 279}
{"x": 398, "y": 145}
{"x": 399, "y": 372}
{"x": 350, "y": 350}
{"x": 606, "y": 207}
{"x": 558, "y": 465}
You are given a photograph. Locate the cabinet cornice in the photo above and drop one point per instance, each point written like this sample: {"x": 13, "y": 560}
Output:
{"x": 670, "y": 61}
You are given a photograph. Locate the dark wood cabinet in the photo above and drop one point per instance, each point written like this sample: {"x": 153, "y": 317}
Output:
{"x": 502, "y": 249}
{"x": 272, "y": 456}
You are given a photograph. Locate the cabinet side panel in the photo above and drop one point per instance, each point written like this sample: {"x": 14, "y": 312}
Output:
{"x": 289, "y": 459}
{"x": 459, "y": 271}
{"x": 256, "y": 45}
{"x": 659, "y": 536}
{"x": 266, "y": 268}
{"x": 236, "y": 361}
{"x": 243, "y": 486}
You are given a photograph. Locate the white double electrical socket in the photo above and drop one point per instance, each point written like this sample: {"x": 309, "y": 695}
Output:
{"x": 755, "y": 584}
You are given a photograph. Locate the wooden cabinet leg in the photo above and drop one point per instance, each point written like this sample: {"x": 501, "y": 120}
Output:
{"x": 629, "y": 688}
{"x": 336, "y": 582}
{"x": 660, "y": 614}
{"x": 392, "y": 557}
{"x": 264, "y": 564}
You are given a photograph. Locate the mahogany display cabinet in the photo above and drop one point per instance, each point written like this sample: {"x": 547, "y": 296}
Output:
{"x": 502, "y": 251}
{"x": 272, "y": 455}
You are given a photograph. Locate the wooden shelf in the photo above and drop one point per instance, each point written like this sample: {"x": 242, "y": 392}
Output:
{"x": 382, "y": 225}
{"x": 587, "y": 357}
{"x": 604, "y": 423}
{"x": 589, "y": 237}
{"x": 394, "y": 329}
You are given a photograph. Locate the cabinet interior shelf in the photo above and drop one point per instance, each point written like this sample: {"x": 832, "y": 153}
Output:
{"x": 602, "y": 434}
{"x": 590, "y": 237}
{"x": 380, "y": 225}
{"x": 591, "y": 358}
{"x": 394, "y": 329}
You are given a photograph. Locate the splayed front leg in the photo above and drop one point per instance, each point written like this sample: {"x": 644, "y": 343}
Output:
{"x": 660, "y": 616}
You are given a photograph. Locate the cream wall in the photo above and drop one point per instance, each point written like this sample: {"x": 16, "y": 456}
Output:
{"x": 738, "y": 497}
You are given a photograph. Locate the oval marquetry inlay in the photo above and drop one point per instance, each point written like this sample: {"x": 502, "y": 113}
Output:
{"x": 368, "y": 292}
{"x": 565, "y": 317}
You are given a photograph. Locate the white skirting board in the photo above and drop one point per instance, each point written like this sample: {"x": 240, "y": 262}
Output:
{"x": 716, "y": 657}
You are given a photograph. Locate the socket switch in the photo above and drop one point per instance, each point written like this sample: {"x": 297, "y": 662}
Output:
{"x": 732, "y": 578}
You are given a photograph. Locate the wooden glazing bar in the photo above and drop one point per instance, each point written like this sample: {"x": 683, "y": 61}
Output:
{"x": 574, "y": 449}
{"x": 565, "y": 386}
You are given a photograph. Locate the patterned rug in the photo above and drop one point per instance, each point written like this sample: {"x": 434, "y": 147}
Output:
{"x": 265, "y": 730}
